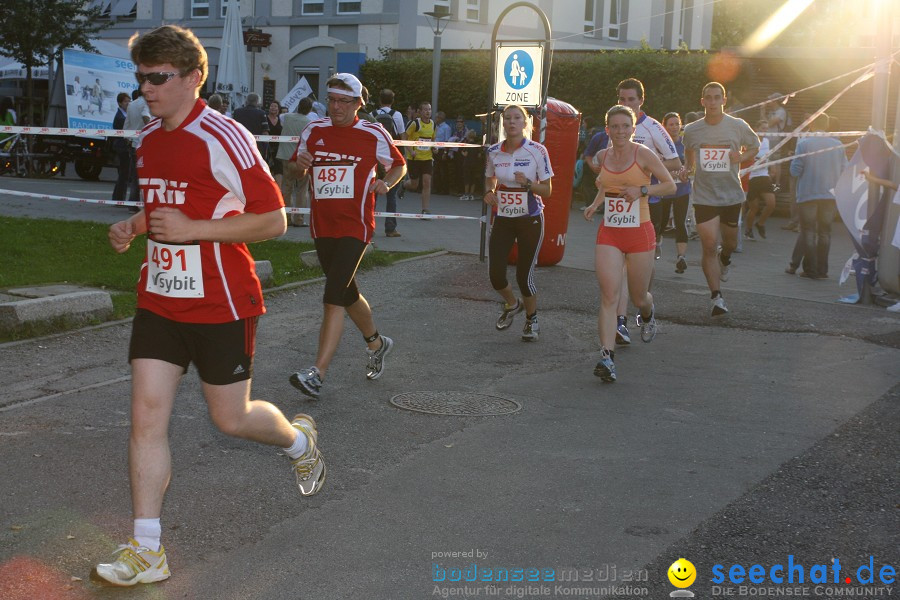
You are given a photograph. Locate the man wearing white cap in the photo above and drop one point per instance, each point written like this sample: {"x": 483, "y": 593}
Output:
{"x": 343, "y": 152}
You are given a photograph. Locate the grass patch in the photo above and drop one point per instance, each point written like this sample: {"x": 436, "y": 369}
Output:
{"x": 49, "y": 251}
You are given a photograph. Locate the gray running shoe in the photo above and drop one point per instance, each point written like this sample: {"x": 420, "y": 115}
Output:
{"x": 649, "y": 328}
{"x": 680, "y": 265}
{"x": 531, "y": 331}
{"x": 506, "y": 317}
{"x": 309, "y": 468}
{"x": 605, "y": 369}
{"x": 718, "y": 306}
{"x": 308, "y": 381}
{"x": 375, "y": 364}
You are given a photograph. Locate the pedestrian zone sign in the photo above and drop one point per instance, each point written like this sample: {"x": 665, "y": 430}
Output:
{"x": 519, "y": 75}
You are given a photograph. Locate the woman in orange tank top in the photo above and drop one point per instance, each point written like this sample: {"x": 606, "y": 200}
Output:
{"x": 626, "y": 239}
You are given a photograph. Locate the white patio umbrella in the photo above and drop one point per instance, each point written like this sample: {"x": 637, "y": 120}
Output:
{"x": 231, "y": 78}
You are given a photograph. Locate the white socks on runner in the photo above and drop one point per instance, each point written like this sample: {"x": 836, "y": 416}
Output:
{"x": 147, "y": 533}
{"x": 299, "y": 447}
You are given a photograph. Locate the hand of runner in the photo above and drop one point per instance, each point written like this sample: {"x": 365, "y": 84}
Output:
{"x": 490, "y": 198}
{"x": 521, "y": 179}
{"x": 304, "y": 160}
{"x": 632, "y": 193}
{"x": 169, "y": 224}
{"x": 121, "y": 235}
{"x": 380, "y": 187}
{"x": 591, "y": 209}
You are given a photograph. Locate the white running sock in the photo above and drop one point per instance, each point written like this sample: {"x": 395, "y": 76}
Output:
{"x": 147, "y": 533}
{"x": 299, "y": 447}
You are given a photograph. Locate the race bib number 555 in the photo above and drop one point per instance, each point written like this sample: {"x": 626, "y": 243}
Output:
{"x": 512, "y": 203}
{"x": 174, "y": 270}
{"x": 333, "y": 181}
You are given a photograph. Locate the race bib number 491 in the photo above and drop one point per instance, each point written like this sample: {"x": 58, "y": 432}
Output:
{"x": 173, "y": 270}
{"x": 715, "y": 159}
{"x": 333, "y": 182}
{"x": 620, "y": 212}
{"x": 512, "y": 203}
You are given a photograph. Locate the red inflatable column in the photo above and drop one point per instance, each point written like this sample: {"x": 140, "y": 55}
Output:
{"x": 561, "y": 140}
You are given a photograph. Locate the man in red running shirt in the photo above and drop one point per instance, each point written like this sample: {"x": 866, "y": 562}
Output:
{"x": 206, "y": 192}
{"x": 342, "y": 153}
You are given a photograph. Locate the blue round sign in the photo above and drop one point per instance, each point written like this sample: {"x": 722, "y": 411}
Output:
{"x": 518, "y": 70}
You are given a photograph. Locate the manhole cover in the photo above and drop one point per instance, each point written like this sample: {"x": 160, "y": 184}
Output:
{"x": 460, "y": 404}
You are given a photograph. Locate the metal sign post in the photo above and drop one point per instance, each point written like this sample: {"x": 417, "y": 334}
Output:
{"x": 520, "y": 74}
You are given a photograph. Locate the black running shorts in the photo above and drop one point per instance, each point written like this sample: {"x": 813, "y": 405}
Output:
{"x": 728, "y": 215}
{"x": 417, "y": 168}
{"x": 222, "y": 352}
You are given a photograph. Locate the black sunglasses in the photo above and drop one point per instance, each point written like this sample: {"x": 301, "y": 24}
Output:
{"x": 157, "y": 78}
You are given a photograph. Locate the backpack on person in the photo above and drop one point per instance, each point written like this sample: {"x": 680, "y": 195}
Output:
{"x": 387, "y": 121}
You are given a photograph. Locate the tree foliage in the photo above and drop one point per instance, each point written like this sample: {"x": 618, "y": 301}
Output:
{"x": 585, "y": 80}
{"x": 34, "y": 32}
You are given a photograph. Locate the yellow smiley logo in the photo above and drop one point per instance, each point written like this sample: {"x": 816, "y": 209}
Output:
{"x": 682, "y": 573}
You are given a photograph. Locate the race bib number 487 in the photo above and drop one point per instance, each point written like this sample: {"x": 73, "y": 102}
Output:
{"x": 333, "y": 181}
{"x": 715, "y": 159}
{"x": 174, "y": 270}
{"x": 512, "y": 203}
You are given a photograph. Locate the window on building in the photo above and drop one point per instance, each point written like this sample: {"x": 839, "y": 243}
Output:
{"x": 684, "y": 17}
{"x": 442, "y": 6}
{"x": 199, "y": 9}
{"x": 103, "y": 5}
{"x": 473, "y": 10}
{"x": 312, "y": 7}
{"x": 124, "y": 9}
{"x": 349, "y": 8}
{"x": 590, "y": 17}
{"x": 615, "y": 19}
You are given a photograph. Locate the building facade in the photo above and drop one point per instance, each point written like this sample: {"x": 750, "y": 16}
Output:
{"x": 314, "y": 38}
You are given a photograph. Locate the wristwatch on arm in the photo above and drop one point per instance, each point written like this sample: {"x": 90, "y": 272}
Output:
{"x": 645, "y": 191}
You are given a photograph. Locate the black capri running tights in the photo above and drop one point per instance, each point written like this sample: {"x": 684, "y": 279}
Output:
{"x": 528, "y": 232}
{"x": 340, "y": 258}
{"x": 659, "y": 214}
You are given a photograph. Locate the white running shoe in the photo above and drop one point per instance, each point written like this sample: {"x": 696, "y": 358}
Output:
{"x": 310, "y": 468}
{"x": 134, "y": 564}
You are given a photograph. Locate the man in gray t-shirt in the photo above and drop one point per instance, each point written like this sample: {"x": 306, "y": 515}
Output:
{"x": 714, "y": 148}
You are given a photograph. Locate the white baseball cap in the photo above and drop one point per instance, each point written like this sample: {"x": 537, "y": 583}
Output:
{"x": 350, "y": 81}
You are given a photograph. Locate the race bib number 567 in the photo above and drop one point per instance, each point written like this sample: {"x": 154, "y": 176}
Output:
{"x": 333, "y": 181}
{"x": 620, "y": 212}
{"x": 174, "y": 270}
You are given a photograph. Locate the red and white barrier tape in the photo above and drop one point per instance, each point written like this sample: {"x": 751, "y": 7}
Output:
{"x": 790, "y": 158}
{"x": 289, "y": 210}
{"x": 813, "y": 134}
{"x": 130, "y": 133}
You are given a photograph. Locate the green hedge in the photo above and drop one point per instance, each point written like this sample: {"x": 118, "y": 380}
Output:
{"x": 585, "y": 80}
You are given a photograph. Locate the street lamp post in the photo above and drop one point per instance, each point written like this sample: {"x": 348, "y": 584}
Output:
{"x": 437, "y": 23}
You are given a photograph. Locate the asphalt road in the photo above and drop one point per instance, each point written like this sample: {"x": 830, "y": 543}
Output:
{"x": 740, "y": 441}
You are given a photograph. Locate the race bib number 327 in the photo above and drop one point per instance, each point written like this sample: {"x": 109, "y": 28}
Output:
{"x": 174, "y": 270}
{"x": 715, "y": 159}
{"x": 333, "y": 182}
